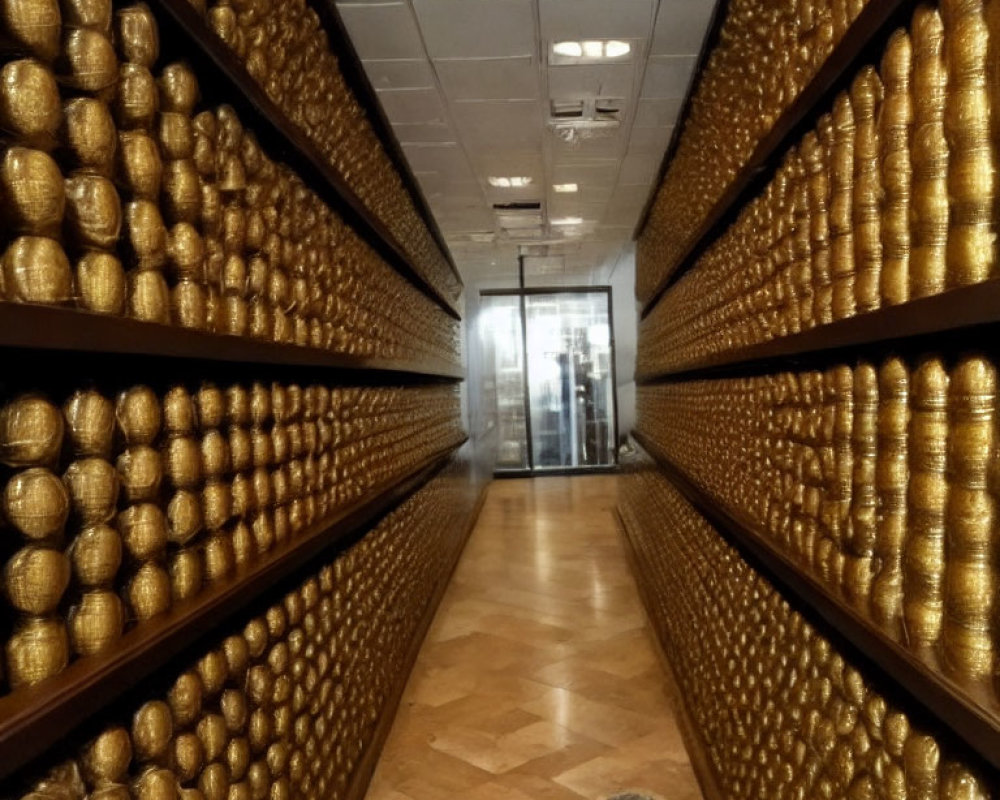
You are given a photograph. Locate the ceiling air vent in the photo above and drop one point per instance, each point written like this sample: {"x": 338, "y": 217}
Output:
{"x": 518, "y": 216}
{"x": 596, "y": 118}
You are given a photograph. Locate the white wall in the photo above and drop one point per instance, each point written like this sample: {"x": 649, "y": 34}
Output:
{"x": 626, "y": 320}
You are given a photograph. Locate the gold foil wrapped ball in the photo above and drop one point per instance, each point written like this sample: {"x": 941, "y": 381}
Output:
{"x": 155, "y": 784}
{"x": 36, "y": 502}
{"x": 187, "y": 757}
{"x": 143, "y": 529}
{"x": 140, "y": 167}
{"x": 89, "y": 136}
{"x": 33, "y": 25}
{"x": 182, "y": 462}
{"x": 106, "y": 759}
{"x": 186, "y": 251}
{"x": 138, "y": 36}
{"x": 152, "y": 729}
{"x": 36, "y": 270}
{"x": 178, "y": 89}
{"x": 219, "y": 557}
{"x": 38, "y": 649}
{"x": 97, "y": 622}
{"x": 90, "y": 421}
{"x": 184, "y": 519}
{"x": 217, "y": 505}
{"x": 149, "y": 591}
{"x": 184, "y": 699}
{"x": 31, "y": 431}
{"x": 145, "y": 235}
{"x": 96, "y": 554}
{"x": 32, "y": 188}
{"x": 186, "y": 573}
{"x": 181, "y": 191}
{"x": 175, "y": 134}
{"x": 148, "y": 297}
{"x": 178, "y": 412}
{"x": 141, "y": 474}
{"x": 36, "y": 578}
{"x": 93, "y": 211}
{"x": 188, "y": 306}
{"x": 87, "y": 61}
{"x": 138, "y": 413}
{"x": 93, "y": 489}
{"x": 136, "y": 97}
{"x": 30, "y": 107}
{"x": 213, "y": 671}
{"x": 93, "y": 14}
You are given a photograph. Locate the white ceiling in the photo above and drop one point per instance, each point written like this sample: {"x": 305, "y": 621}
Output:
{"x": 466, "y": 85}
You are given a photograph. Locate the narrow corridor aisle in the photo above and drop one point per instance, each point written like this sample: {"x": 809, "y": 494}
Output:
{"x": 538, "y": 679}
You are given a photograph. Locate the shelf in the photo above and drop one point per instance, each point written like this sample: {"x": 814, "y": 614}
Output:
{"x": 874, "y": 24}
{"x": 928, "y": 323}
{"x": 224, "y": 79}
{"x": 357, "y": 80}
{"x": 63, "y": 329}
{"x": 33, "y": 719}
{"x": 969, "y": 711}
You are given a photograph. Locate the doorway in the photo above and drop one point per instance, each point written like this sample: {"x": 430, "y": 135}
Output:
{"x": 551, "y": 351}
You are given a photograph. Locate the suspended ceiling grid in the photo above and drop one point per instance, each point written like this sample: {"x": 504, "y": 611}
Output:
{"x": 467, "y": 86}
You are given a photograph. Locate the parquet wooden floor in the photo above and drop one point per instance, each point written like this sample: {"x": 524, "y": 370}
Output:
{"x": 538, "y": 679}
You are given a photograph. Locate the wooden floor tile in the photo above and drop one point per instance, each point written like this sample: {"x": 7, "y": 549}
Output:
{"x": 538, "y": 679}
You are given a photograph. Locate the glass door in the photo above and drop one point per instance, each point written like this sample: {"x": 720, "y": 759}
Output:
{"x": 504, "y": 355}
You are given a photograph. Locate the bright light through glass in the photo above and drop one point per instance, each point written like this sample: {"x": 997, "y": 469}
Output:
{"x": 567, "y": 221}
{"x": 509, "y": 183}
{"x": 615, "y": 49}
{"x": 565, "y": 188}
{"x": 593, "y": 49}
{"x": 570, "y": 49}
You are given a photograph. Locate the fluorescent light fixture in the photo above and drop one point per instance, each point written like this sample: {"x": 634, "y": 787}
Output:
{"x": 567, "y": 221}
{"x": 590, "y": 50}
{"x": 565, "y": 188}
{"x": 509, "y": 183}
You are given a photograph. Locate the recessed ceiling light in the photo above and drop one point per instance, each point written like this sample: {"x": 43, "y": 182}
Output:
{"x": 616, "y": 49}
{"x": 509, "y": 183}
{"x": 569, "y": 49}
{"x": 593, "y": 49}
{"x": 567, "y": 221}
{"x": 565, "y": 188}
{"x": 590, "y": 50}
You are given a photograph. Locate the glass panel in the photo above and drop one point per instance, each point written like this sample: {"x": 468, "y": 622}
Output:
{"x": 502, "y": 353}
{"x": 569, "y": 375}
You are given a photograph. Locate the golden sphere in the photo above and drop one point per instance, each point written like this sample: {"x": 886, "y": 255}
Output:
{"x": 148, "y": 297}
{"x": 240, "y": 449}
{"x": 155, "y": 784}
{"x": 152, "y": 730}
{"x": 184, "y": 519}
{"x": 87, "y": 61}
{"x": 90, "y": 417}
{"x": 35, "y": 25}
{"x": 211, "y": 406}
{"x": 36, "y": 270}
{"x": 178, "y": 89}
{"x": 35, "y": 579}
{"x": 214, "y": 782}
{"x": 186, "y": 252}
{"x": 106, "y": 759}
{"x": 36, "y": 503}
{"x": 213, "y": 671}
{"x": 145, "y": 235}
{"x": 89, "y": 135}
{"x": 175, "y": 134}
{"x": 237, "y": 656}
{"x": 182, "y": 462}
{"x": 100, "y": 281}
{"x": 95, "y": 14}
{"x": 96, "y": 623}
{"x": 181, "y": 191}
{"x": 188, "y": 757}
{"x": 138, "y": 413}
{"x": 184, "y": 699}
{"x": 186, "y": 573}
{"x": 135, "y": 97}
{"x": 96, "y": 553}
{"x": 143, "y": 530}
{"x": 32, "y": 187}
{"x": 31, "y": 431}
{"x": 188, "y": 306}
{"x": 149, "y": 591}
{"x": 138, "y": 36}
{"x": 219, "y": 558}
{"x": 217, "y": 504}
{"x": 178, "y": 412}
{"x": 30, "y": 107}
{"x": 140, "y": 168}
{"x": 93, "y": 211}
{"x": 93, "y": 489}
{"x": 38, "y": 649}
{"x": 234, "y": 710}
{"x": 141, "y": 473}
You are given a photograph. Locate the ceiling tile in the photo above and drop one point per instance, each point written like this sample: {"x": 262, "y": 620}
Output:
{"x": 657, "y": 113}
{"x": 591, "y": 80}
{"x": 409, "y": 106}
{"x": 650, "y": 140}
{"x": 423, "y": 133}
{"x": 605, "y": 144}
{"x": 489, "y": 78}
{"x": 597, "y": 19}
{"x": 601, "y": 173}
{"x": 384, "y": 30}
{"x": 400, "y": 73}
{"x": 494, "y": 124}
{"x": 681, "y": 27}
{"x": 468, "y": 29}
{"x": 447, "y": 159}
{"x": 667, "y": 76}
{"x": 639, "y": 169}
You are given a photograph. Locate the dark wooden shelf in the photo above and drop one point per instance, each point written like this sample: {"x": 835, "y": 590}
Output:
{"x": 862, "y": 43}
{"x": 33, "y": 719}
{"x": 224, "y": 79}
{"x": 929, "y": 323}
{"x": 32, "y": 327}
{"x": 357, "y": 80}
{"x": 970, "y": 712}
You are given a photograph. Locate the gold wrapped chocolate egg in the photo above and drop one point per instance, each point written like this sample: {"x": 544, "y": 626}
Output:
{"x": 223, "y": 21}
{"x": 186, "y": 252}
{"x": 184, "y": 699}
{"x": 143, "y": 529}
{"x": 141, "y": 474}
{"x": 232, "y": 177}
{"x": 235, "y": 315}
{"x": 94, "y": 14}
{"x": 187, "y": 757}
{"x": 178, "y": 89}
{"x": 152, "y": 730}
{"x": 149, "y": 591}
{"x": 181, "y": 191}
{"x": 140, "y": 168}
{"x": 138, "y": 37}
{"x": 36, "y": 503}
{"x": 96, "y": 554}
{"x": 176, "y": 135}
{"x": 214, "y": 454}
{"x": 135, "y": 97}
{"x": 30, "y": 107}
{"x": 106, "y": 759}
{"x": 93, "y": 211}
{"x": 33, "y": 26}
{"x": 96, "y": 623}
{"x": 36, "y": 578}
{"x": 137, "y": 411}
{"x": 186, "y": 574}
{"x": 212, "y": 670}
{"x": 214, "y": 782}
{"x": 87, "y": 61}
{"x": 36, "y": 270}
{"x": 217, "y": 505}
{"x": 240, "y": 449}
{"x": 89, "y": 136}
{"x": 93, "y": 489}
{"x": 219, "y": 557}
{"x": 203, "y": 155}
{"x": 182, "y": 462}
{"x": 184, "y": 518}
{"x": 111, "y": 791}
{"x": 145, "y": 235}
{"x": 38, "y": 649}
{"x": 155, "y": 784}
{"x": 188, "y": 305}
{"x": 210, "y": 403}
{"x": 32, "y": 186}
{"x": 148, "y": 297}
{"x": 31, "y": 431}
{"x": 90, "y": 420}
